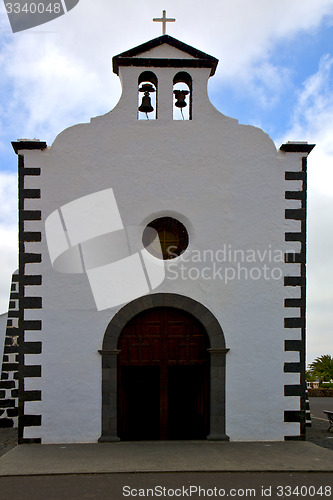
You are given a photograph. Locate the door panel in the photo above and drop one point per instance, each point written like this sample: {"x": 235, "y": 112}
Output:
{"x": 163, "y": 390}
{"x": 140, "y": 415}
{"x": 187, "y": 402}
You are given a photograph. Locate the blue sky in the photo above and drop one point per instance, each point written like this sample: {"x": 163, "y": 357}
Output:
{"x": 298, "y": 59}
{"x": 275, "y": 72}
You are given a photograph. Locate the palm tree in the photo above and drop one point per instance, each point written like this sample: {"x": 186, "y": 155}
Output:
{"x": 310, "y": 376}
{"x": 322, "y": 367}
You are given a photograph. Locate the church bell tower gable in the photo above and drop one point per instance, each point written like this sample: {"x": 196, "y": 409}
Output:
{"x": 172, "y": 62}
{"x": 215, "y": 191}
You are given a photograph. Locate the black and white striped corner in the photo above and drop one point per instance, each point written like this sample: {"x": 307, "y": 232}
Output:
{"x": 9, "y": 368}
{"x": 295, "y": 322}
{"x": 30, "y": 280}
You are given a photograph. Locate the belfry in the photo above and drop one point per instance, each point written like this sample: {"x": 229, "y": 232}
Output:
{"x": 161, "y": 285}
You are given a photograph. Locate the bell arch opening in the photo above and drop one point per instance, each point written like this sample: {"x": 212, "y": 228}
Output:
{"x": 206, "y": 369}
{"x": 182, "y": 96}
{"x": 147, "y": 96}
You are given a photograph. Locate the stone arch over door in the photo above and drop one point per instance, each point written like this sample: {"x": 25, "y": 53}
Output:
{"x": 110, "y": 353}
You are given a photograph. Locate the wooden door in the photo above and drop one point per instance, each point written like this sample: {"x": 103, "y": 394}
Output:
{"x": 163, "y": 377}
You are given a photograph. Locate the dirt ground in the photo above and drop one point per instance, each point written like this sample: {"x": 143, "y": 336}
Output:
{"x": 8, "y": 439}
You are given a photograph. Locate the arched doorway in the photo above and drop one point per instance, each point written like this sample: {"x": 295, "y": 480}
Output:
{"x": 163, "y": 377}
{"x": 110, "y": 353}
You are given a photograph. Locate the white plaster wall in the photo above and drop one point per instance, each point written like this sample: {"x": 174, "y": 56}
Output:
{"x": 225, "y": 182}
{"x": 165, "y": 52}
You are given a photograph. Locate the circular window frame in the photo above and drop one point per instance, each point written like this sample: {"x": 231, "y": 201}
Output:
{"x": 170, "y": 225}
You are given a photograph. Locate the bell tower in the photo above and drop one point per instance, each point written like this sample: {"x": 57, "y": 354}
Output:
{"x": 166, "y": 73}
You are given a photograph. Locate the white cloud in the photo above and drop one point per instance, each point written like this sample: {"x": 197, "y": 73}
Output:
{"x": 8, "y": 197}
{"x": 8, "y": 252}
{"x": 243, "y": 33}
{"x": 320, "y": 274}
{"x": 61, "y": 71}
{"x": 313, "y": 112}
{"x": 8, "y": 235}
{"x": 313, "y": 121}
{"x": 51, "y": 91}
{"x": 266, "y": 82}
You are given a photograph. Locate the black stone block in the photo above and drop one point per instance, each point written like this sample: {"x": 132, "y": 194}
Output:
{"x": 294, "y": 303}
{"x": 31, "y": 302}
{"x": 31, "y": 396}
{"x": 31, "y": 171}
{"x": 293, "y": 367}
{"x": 32, "y": 325}
{"x": 295, "y": 213}
{"x": 32, "y": 371}
{"x": 32, "y": 279}
{"x": 295, "y": 438}
{"x": 294, "y": 176}
{"x": 294, "y": 416}
{"x": 293, "y": 390}
{"x": 32, "y": 347}
{"x": 12, "y": 412}
{"x": 9, "y": 367}
{"x": 31, "y": 236}
{"x": 6, "y": 422}
{"x": 293, "y": 345}
{"x": 295, "y": 237}
{"x": 28, "y": 258}
{"x": 30, "y": 193}
{"x": 294, "y": 281}
{"x": 295, "y": 195}
{"x": 294, "y": 258}
{"x": 294, "y": 322}
{"x": 30, "y": 441}
{"x": 7, "y": 403}
{"x": 31, "y": 215}
{"x": 31, "y": 420}
{"x": 7, "y": 384}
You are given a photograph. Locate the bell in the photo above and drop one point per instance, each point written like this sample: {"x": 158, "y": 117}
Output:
{"x": 180, "y": 96}
{"x": 146, "y": 106}
{"x": 146, "y": 87}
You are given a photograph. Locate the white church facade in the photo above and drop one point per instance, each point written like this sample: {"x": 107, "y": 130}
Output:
{"x": 161, "y": 284}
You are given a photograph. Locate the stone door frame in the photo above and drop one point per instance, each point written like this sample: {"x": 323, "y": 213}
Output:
{"x": 110, "y": 353}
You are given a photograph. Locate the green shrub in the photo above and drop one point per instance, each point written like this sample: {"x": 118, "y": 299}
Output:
{"x": 320, "y": 393}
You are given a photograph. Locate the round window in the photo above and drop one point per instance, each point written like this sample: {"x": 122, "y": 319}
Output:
{"x": 172, "y": 238}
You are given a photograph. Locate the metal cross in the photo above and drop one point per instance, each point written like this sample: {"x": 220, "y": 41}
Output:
{"x": 164, "y": 20}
